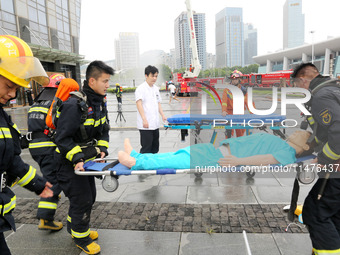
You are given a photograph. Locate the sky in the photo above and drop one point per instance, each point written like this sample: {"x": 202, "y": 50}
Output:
{"x": 103, "y": 20}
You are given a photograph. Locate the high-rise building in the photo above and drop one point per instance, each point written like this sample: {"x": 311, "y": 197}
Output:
{"x": 293, "y": 24}
{"x": 51, "y": 28}
{"x": 229, "y": 37}
{"x": 127, "y": 51}
{"x": 182, "y": 40}
{"x": 250, "y": 44}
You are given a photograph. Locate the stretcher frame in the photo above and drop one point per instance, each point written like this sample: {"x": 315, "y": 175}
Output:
{"x": 110, "y": 175}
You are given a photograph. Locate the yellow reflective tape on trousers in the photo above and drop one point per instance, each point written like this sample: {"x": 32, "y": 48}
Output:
{"x": 41, "y": 145}
{"x": 68, "y": 218}
{"x": 9, "y": 206}
{"x": 28, "y": 177}
{"x": 39, "y": 109}
{"x": 47, "y": 205}
{"x": 72, "y": 152}
{"x": 103, "y": 143}
{"x": 80, "y": 234}
{"x": 5, "y": 133}
{"x": 329, "y": 153}
{"x": 225, "y": 104}
{"x": 325, "y": 252}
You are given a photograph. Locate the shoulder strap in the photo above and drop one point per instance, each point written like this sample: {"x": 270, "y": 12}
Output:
{"x": 81, "y": 96}
{"x": 331, "y": 82}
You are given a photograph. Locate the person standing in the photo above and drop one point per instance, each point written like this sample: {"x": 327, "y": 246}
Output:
{"x": 18, "y": 67}
{"x": 322, "y": 214}
{"x": 119, "y": 93}
{"x": 80, "y": 139}
{"x": 42, "y": 148}
{"x": 148, "y": 101}
{"x": 173, "y": 92}
{"x": 227, "y": 100}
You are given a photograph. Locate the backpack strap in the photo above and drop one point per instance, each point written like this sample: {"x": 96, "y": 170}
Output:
{"x": 81, "y": 99}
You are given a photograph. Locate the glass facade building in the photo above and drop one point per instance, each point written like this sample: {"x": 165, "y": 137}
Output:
{"x": 229, "y": 38}
{"x": 182, "y": 40}
{"x": 293, "y": 24}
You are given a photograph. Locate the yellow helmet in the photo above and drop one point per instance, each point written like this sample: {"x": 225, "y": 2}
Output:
{"x": 117, "y": 84}
{"x": 18, "y": 64}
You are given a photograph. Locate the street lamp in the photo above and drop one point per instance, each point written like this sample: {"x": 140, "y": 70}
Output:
{"x": 312, "y": 32}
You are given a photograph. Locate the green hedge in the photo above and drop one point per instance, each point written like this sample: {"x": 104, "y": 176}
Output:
{"x": 126, "y": 90}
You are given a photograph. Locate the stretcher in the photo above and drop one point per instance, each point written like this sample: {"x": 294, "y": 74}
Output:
{"x": 198, "y": 122}
{"x": 110, "y": 172}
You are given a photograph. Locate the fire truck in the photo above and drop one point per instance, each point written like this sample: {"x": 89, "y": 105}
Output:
{"x": 187, "y": 82}
{"x": 273, "y": 79}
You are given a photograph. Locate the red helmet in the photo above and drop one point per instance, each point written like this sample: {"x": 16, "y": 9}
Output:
{"x": 236, "y": 74}
{"x": 55, "y": 80}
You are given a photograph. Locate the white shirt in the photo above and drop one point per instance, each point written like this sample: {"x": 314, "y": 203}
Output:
{"x": 150, "y": 97}
{"x": 172, "y": 88}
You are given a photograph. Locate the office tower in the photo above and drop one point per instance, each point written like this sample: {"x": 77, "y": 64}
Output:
{"x": 127, "y": 51}
{"x": 250, "y": 44}
{"x": 293, "y": 24}
{"x": 229, "y": 38}
{"x": 51, "y": 28}
{"x": 182, "y": 40}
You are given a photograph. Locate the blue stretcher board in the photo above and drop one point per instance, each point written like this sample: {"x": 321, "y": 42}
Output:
{"x": 188, "y": 119}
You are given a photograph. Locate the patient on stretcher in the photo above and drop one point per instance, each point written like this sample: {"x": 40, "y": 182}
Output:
{"x": 256, "y": 149}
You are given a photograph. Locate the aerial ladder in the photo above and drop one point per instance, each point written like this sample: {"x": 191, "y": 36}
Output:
{"x": 195, "y": 66}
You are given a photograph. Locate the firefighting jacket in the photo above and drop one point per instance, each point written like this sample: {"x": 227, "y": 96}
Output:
{"x": 69, "y": 139}
{"x": 325, "y": 109}
{"x": 40, "y": 144}
{"x": 227, "y": 101}
{"x": 12, "y": 166}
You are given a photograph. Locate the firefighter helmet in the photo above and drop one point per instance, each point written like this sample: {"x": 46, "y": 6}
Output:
{"x": 236, "y": 74}
{"x": 55, "y": 80}
{"x": 117, "y": 84}
{"x": 18, "y": 64}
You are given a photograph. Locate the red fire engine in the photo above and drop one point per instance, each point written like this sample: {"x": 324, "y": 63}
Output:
{"x": 274, "y": 79}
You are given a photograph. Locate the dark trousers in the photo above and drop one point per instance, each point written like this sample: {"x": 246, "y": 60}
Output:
{"x": 4, "y": 250}
{"x": 81, "y": 191}
{"x": 48, "y": 167}
{"x": 149, "y": 140}
{"x": 323, "y": 216}
{"x": 119, "y": 99}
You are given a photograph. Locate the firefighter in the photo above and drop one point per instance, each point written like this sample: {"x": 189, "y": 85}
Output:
{"x": 78, "y": 141}
{"x": 321, "y": 210}
{"x": 17, "y": 68}
{"x": 42, "y": 148}
{"x": 119, "y": 93}
{"x": 227, "y": 100}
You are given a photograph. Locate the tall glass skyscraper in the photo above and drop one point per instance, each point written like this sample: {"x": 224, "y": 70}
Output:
{"x": 229, "y": 38}
{"x": 182, "y": 40}
{"x": 127, "y": 50}
{"x": 293, "y": 24}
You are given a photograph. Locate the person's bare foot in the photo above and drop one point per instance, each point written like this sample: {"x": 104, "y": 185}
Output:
{"x": 127, "y": 146}
{"x": 125, "y": 159}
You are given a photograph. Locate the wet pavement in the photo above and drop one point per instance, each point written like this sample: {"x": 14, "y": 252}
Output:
{"x": 172, "y": 214}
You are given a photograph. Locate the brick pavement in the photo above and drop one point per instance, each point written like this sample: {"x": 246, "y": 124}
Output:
{"x": 198, "y": 218}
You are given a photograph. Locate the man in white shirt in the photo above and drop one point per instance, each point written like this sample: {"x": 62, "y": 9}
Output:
{"x": 172, "y": 89}
{"x": 148, "y": 101}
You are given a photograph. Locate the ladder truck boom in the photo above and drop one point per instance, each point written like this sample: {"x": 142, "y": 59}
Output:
{"x": 195, "y": 63}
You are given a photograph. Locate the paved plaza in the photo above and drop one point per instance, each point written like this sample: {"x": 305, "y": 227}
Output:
{"x": 172, "y": 214}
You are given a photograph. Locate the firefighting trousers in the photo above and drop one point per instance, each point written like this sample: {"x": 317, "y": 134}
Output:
{"x": 48, "y": 167}
{"x": 4, "y": 250}
{"x": 81, "y": 192}
{"x": 323, "y": 216}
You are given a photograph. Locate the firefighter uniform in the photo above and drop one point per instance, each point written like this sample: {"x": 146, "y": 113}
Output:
{"x": 119, "y": 93}
{"x": 227, "y": 106}
{"x": 12, "y": 167}
{"x": 73, "y": 147}
{"x": 323, "y": 216}
{"x": 42, "y": 150}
